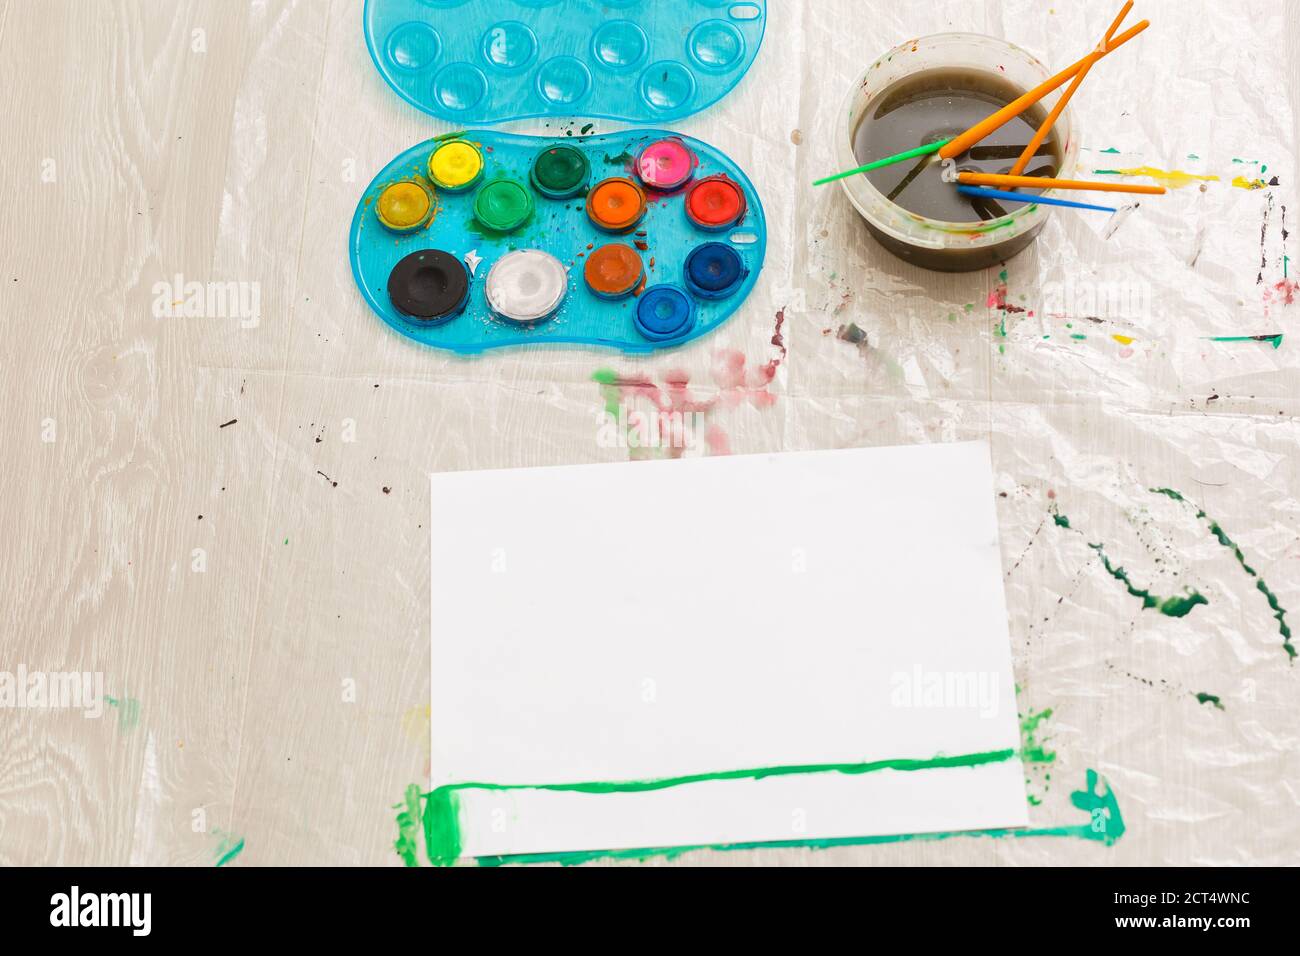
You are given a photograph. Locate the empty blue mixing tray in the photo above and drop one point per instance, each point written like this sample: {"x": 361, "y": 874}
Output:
{"x": 488, "y": 61}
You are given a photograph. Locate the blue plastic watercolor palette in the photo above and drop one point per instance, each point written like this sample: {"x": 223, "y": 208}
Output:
{"x": 489, "y": 61}
{"x": 631, "y": 258}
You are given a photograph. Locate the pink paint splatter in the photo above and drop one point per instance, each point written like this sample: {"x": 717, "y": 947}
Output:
{"x": 998, "y": 300}
{"x": 717, "y": 440}
{"x": 779, "y": 341}
{"x": 736, "y": 382}
{"x": 1283, "y": 293}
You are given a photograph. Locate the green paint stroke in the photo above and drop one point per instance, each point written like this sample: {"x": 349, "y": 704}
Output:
{"x": 1209, "y": 699}
{"x": 1275, "y": 339}
{"x": 128, "y": 711}
{"x": 1279, "y": 612}
{"x": 442, "y": 826}
{"x": 1105, "y": 825}
{"x": 1179, "y": 606}
{"x": 441, "y": 814}
{"x": 229, "y": 847}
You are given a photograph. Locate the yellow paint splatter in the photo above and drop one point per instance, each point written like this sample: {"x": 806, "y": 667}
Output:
{"x": 1172, "y": 178}
{"x": 415, "y": 723}
{"x": 1122, "y": 339}
{"x": 1241, "y": 182}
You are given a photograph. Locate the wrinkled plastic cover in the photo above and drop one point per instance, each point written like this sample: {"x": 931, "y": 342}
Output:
{"x": 1090, "y": 370}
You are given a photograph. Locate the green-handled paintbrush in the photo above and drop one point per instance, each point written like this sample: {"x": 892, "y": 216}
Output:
{"x": 901, "y": 157}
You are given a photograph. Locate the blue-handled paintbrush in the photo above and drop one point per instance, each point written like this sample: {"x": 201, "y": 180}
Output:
{"x": 978, "y": 191}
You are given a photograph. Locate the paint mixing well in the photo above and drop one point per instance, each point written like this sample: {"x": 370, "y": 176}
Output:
{"x": 489, "y": 61}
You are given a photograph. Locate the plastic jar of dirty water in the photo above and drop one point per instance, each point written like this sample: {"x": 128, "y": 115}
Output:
{"x": 936, "y": 88}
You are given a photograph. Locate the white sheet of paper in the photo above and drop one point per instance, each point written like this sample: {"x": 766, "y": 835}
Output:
{"x": 651, "y": 620}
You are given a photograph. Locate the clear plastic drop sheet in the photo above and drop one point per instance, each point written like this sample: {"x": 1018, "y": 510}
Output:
{"x": 1087, "y": 362}
{"x": 1148, "y": 474}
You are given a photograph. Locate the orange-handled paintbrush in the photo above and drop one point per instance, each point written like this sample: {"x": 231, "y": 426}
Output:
{"x": 1023, "y": 162}
{"x": 1013, "y": 109}
{"x": 1042, "y": 182}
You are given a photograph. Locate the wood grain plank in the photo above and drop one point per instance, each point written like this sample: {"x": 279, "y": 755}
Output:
{"x": 124, "y": 165}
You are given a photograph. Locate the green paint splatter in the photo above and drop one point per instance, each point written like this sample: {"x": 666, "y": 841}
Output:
{"x": 622, "y": 159}
{"x": 1209, "y": 699}
{"x": 128, "y": 711}
{"x": 1111, "y": 150}
{"x": 1221, "y": 536}
{"x": 1275, "y": 339}
{"x": 408, "y": 826}
{"x": 1078, "y": 336}
{"x": 1170, "y": 607}
{"x": 1031, "y": 748}
{"x": 1105, "y": 825}
{"x": 611, "y": 394}
{"x": 607, "y": 379}
{"x": 229, "y": 847}
{"x": 994, "y": 226}
{"x": 1035, "y": 753}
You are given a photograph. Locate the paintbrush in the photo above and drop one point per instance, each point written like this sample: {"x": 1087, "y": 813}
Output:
{"x": 1059, "y": 108}
{"x": 981, "y": 193}
{"x": 959, "y": 144}
{"x": 965, "y": 141}
{"x": 1045, "y": 182}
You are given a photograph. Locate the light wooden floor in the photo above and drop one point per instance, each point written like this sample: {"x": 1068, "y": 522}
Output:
{"x": 264, "y": 628}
